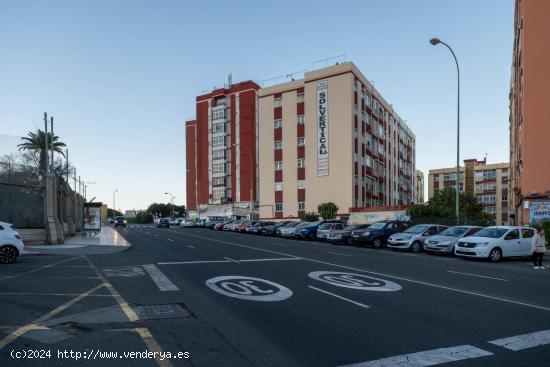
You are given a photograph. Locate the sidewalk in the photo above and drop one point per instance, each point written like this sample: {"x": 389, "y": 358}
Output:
{"x": 108, "y": 241}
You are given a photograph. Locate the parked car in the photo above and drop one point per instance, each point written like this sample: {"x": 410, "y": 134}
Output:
{"x": 231, "y": 226}
{"x": 111, "y": 220}
{"x": 344, "y": 235}
{"x": 413, "y": 237}
{"x": 163, "y": 223}
{"x": 376, "y": 235}
{"x": 201, "y": 223}
{"x": 272, "y": 229}
{"x": 355, "y": 235}
{"x": 257, "y": 229}
{"x": 221, "y": 226}
{"x": 243, "y": 227}
{"x": 212, "y": 221}
{"x": 325, "y": 228}
{"x": 11, "y": 244}
{"x": 188, "y": 224}
{"x": 446, "y": 241}
{"x": 309, "y": 231}
{"x": 175, "y": 221}
{"x": 496, "y": 242}
{"x": 288, "y": 230}
{"x": 156, "y": 220}
{"x": 120, "y": 222}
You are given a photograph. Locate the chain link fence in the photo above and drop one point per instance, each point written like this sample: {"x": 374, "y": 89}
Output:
{"x": 21, "y": 195}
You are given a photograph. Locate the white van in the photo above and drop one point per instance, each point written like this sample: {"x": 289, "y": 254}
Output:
{"x": 497, "y": 242}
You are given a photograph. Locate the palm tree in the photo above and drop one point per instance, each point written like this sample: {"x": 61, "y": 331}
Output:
{"x": 34, "y": 143}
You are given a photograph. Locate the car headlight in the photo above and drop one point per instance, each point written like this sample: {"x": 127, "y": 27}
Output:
{"x": 304, "y": 230}
{"x": 125, "y": 221}
{"x": 483, "y": 244}
{"x": 445, "y": 243}
{"x": 366, "y": 233}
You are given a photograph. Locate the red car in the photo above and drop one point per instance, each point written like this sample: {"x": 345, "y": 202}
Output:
{"x": 241, "y": 227}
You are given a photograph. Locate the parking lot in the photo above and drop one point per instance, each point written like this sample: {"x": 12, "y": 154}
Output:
{"x": 267, "y": 301}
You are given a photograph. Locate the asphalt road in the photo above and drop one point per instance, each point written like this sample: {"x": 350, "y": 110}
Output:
{"x": 244, "y": 300}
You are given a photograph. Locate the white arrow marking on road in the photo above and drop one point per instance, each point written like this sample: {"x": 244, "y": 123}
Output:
{"x": 524, "y": 341}
{"x": 160, "y": 279}
{"x": 340, "y": 297}
{"x": 193, "y": 247}
{"x": 428, "y": 357}
{"x": 171, "y": 240}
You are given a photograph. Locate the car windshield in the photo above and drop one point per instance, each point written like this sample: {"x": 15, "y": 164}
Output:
{"x": 416, "y": 229}
{"x": 454, "y": 231}
{"x": 491, "y": 232}
{"x": 119, "y": 218}
{"x": 307, "y": 224}
{"x": 354, "y": 227}
{"x": 325, "y": 226}
{"x": 379, "y": 225}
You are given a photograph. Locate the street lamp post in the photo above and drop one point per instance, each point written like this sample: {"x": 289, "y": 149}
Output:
{"x": 167, "y": 193}
{"x": 114, "y": 202}
{"x": 436, "y": 41}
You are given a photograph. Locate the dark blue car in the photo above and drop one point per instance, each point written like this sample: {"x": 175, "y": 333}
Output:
{"x": 309, "y": 232}
{"x": 377, "y": 234}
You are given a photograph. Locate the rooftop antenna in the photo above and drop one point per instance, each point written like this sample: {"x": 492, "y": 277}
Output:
{"x": 485, "y": 159}
{"x": 230, "y": 80}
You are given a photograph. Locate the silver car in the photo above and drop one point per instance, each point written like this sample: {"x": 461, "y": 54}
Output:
{"x": 326, "y": 228}
{"x": 288, "y": 230}
{"x": 413, "y": 238}
{"x": 446, "y": 241}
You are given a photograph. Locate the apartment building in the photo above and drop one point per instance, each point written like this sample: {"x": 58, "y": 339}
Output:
{"x": 419, "y": 187}
{"x": 331, "y": 136}
{"x": 529, "y": 113}
{"x": 488, "y": 182}
{"x": 221, "y": 144}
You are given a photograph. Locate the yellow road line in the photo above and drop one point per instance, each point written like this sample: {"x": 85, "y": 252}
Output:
{"x": 152, "y": 345}
{"x": 31, "y": 326}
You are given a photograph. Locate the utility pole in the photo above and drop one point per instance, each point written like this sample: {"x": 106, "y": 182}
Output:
{"x": 46, "y": 159}
{"x": 51, "y": 145}
{"x": 114, "y": 202}
{"x": 67, "y": 164}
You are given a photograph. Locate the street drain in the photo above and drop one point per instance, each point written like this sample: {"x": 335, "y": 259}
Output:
{"x": 71, "y": 328}
{"x": 159, "y": 312}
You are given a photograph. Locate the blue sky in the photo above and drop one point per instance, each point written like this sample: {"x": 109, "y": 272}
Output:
{"x": 120, "y": 77}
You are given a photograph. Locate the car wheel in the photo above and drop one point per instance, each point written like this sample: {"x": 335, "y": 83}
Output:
{"x": 8, "y": 254}
{"x": 377, "y": 243}
{"x": 311, "y": 237}
{"x": 416, "y": 246}
{"x": 495, "y": 255}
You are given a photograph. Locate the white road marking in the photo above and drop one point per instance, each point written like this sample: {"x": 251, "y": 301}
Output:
{"x": 524, "y": 341}
{"x": 427, "y": 358}
{"x": 125, "y": 271}
{"x": 160, "y": 279}
{"x": 475, "y": 275}
{"x": 235, "y": 261}
{"x": 340, "y": 297}
{"x": 434, "y": 285}
{"x": 274, "y": 259}
{"x": 248, "y": 288}
{"x": 193, "y": 247}
{"x": 339, "y": 253}
{"x": 387, "y": 275}
{"x": 193, "y": 262}
{"x": 171, "y": 240}
{"x": 147, "y": 232}
{"x": 355, "y": 281}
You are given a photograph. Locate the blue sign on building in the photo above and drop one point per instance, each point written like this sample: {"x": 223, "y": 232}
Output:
{"x": 539, "y": 212}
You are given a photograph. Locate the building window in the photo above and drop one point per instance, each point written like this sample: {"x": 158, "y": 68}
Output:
{"x": 301, "y": 141}
{"x": 278, "y": 186}
{"x": 218, "y": 193}
{"x": 218, "y": 114}
{"x": 301, "y": 205}
{"x": 279, "y": 144}
{"x": 277, "y": 102}
{"x": 218, "y": 141}
{"x": 219, "y": 128}
{"x": 218, "y": 168}
{"x": 279, "y": 207}
{"x": 300, "y": 97}
{"x": 218, "y": 181}
{"x": 218, "y": 154}
{"x": 301, "y": 163}
{"x": 278, "y": 166}
{"x": 300, "y": 119}
{"x": 277, "y": 123}
{"x": 301, "y": 184}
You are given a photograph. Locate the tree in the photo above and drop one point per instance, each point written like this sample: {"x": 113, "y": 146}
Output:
{"x": 441, "y": 209}
{"x": 141, "y": 217}
{"x": 309, "y": 217}
{"x": 34, "y": 142}
{"x": 328, "y": 210}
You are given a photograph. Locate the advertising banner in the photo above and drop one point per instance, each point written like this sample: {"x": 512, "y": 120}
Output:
{"x": 322, "y": 128}
{"x": 92, "y": 217}
{"x": 539, "y": 212}
{"x": 373, "y": 217}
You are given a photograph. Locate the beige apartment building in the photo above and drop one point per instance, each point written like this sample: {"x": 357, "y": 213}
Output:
{"x": 331, "y": 137}
{"x": 488, "y": 182}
